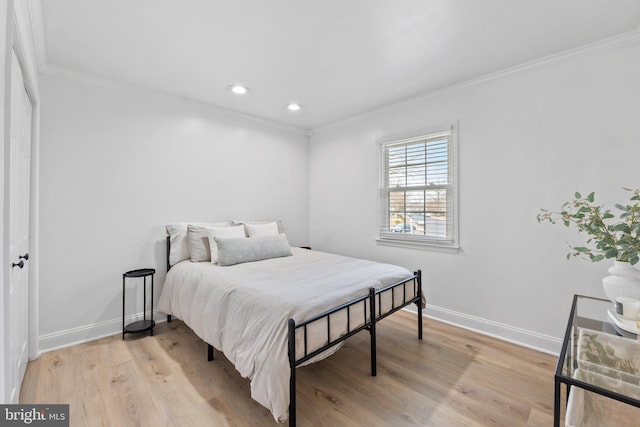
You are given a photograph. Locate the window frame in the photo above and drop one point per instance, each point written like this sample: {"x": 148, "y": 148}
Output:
{"x": 408, "y": 240}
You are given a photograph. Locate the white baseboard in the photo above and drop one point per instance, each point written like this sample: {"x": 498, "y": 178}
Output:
{"x": 87, "y": 333}
{"x": 534, "y": 340}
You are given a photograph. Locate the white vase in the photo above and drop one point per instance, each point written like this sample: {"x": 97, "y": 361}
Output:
{"x": 624, "y": 281}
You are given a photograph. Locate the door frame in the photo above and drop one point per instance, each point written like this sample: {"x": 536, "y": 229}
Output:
{"x": 20, "y": 40}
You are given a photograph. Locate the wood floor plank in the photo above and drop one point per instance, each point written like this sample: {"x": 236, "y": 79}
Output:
{"x": 453, "y": 377}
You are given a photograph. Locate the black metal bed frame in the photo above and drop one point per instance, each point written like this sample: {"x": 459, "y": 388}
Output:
{"x": 370, "y": 301}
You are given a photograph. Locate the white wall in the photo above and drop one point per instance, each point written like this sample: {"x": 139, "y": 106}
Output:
{"x": 118, "y": 164}
{"x": 527, "y": 140}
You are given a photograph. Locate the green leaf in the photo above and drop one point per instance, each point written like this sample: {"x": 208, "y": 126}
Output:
{"x": 606, "y": 236}
{"x": 621, "y": 227}
{"x": 611, "y": 253}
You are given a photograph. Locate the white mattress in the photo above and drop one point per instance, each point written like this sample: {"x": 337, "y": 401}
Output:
{"x": 243, "y": 310}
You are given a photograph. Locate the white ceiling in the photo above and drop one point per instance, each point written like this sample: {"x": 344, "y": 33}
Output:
{"x": 338, "y": 58}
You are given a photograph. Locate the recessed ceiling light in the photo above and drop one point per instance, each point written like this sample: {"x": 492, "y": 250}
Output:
{"x": 293, "y": 107}
{"x": 239, "y": 89}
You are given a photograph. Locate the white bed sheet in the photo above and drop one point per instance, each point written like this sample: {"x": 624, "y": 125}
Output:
{"x": 243, "y": 310}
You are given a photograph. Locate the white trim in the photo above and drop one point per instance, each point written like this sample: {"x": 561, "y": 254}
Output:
{"x": 417, "y": 134}
{"x": 425, "y": 246}
{"x": 34, "y": 237}
{"x": 522, "y": 337}
{"x": 111, "y": 84}
{"x": 619, "y": 41}
{"x": 86, "y": 333}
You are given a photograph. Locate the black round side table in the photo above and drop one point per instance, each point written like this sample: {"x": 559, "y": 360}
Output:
{"x": 144, "y": 324}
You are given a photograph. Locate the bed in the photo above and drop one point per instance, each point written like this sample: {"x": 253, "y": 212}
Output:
{"x": 272, "y": 315}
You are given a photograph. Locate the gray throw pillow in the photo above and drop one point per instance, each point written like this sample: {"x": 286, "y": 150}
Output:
{"x": 233, "y": 251}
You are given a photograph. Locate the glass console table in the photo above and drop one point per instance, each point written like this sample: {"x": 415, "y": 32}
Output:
{"x": 600, "y": 354}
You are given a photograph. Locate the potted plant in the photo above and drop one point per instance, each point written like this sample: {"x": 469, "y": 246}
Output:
{"x": 609, "y": 236}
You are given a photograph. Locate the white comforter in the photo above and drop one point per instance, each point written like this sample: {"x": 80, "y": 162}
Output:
{"x": 243, "y": 310}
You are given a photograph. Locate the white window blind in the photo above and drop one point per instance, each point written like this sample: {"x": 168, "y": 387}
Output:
{"x": 418, "y": 192}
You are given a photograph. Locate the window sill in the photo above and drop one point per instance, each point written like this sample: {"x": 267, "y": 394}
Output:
{"x": 425, "y": 246}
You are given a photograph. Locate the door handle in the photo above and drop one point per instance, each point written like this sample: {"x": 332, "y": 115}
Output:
{"x": 20, "y": 263}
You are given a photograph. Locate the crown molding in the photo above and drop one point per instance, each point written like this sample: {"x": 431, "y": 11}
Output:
{"x": 35, "y": 13}
{"x": 616, "y": 42}
{"x": 111, "y": 84}
{"x": 34, "y": 8}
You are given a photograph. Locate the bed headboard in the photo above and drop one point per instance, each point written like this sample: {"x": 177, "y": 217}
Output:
{"x": 168, "y": 251}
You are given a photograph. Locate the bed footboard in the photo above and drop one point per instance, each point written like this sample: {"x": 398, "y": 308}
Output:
{"x": 372, "y": 307}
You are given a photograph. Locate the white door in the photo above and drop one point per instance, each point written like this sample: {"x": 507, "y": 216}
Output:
{"x": 19, "y": 195}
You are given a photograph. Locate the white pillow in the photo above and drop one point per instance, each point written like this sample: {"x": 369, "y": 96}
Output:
{"x": 198, "y": 241}
{"x": 179, "y": 250}
{"x": 177, "y": 233}
{"x": 235, "y": 231}
{"x": 278, "y": 223}
{"x": 261, "y": 230}
{"x": 236, "y": 251}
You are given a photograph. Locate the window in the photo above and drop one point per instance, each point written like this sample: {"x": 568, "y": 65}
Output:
{"x": 418, "y": 194}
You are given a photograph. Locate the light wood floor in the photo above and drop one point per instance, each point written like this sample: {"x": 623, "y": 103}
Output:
{"x": 452, "y": 378}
